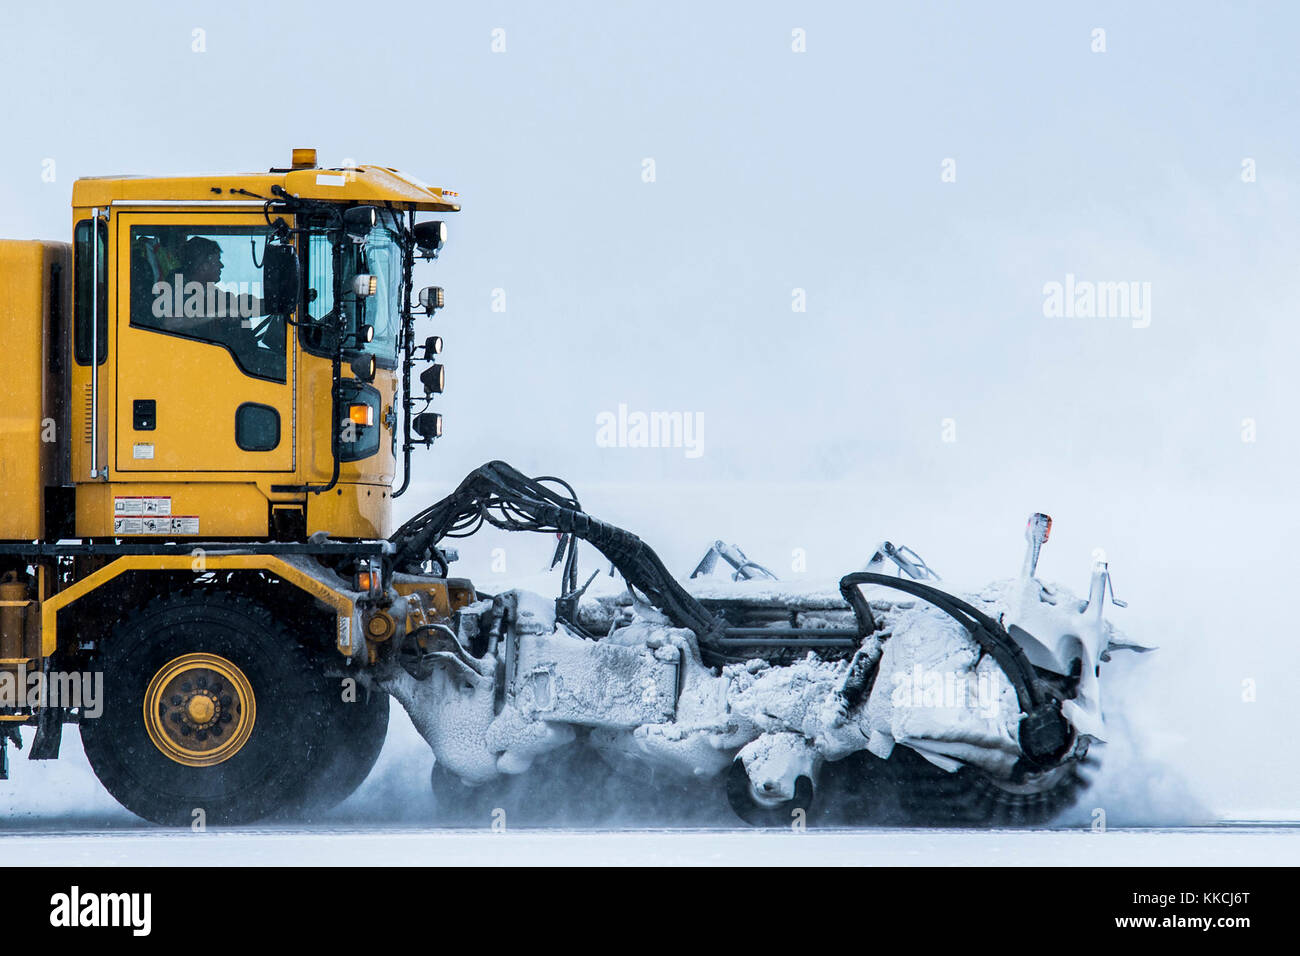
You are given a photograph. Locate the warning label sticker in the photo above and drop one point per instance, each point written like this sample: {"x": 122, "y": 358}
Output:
{"x": 130, "y": 506}
{"x": 165, "y": 524}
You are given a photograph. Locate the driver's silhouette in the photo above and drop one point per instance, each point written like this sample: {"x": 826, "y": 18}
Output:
{"x": 201, "y": 263}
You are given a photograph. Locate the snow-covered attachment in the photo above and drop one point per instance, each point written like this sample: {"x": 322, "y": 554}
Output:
{"x": 976, "y": 709}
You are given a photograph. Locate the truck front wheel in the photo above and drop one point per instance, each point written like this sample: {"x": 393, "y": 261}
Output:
{"x": 209, "y": 707}
{"x": 345, "y": 750}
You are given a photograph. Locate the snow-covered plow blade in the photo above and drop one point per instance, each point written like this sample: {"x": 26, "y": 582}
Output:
{"x": 977, "y": 709}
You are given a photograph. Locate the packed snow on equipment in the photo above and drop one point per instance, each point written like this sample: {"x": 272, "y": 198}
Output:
{"x": 753, "y": 681}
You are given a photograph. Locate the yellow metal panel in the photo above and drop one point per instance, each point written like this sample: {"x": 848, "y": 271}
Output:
{"x": 435, "y": 590}
{"x": 351, "y": 511}
{"x": 315, "y": 429}
{"x": 223, "y": 509}
{"x": 375, "y": 184}
{"x": 27, "y": 461}
{"x": 315, "y": 379}
{"x": 444, "y": 594}
{"x": 342, "y": 603}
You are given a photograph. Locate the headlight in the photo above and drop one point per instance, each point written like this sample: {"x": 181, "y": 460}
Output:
{"x": 433, "y": 378}
{"x": 428, "y": 425}
{"x": 430, "y": 236}
{"x": 431, "y": 299}
{"x": 363, "y": 367}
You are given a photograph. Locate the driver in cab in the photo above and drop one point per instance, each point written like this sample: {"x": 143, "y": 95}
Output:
{"x": 207, "y": 307}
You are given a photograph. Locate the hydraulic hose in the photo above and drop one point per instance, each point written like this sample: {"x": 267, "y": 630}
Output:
{"x": 1045, "y": 735}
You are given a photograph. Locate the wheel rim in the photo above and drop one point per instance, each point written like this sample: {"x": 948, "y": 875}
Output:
{"x": 199, "y": 710}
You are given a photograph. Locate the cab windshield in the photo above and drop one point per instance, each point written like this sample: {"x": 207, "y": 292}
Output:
{"x": 379, "y": 255}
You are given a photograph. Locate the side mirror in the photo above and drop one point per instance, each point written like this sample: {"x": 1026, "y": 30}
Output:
{"x": 359, "y": 221}
{"x": 280, "y": 280}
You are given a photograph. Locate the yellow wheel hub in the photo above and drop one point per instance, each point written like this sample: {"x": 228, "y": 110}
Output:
{"x": 199, "y": 710}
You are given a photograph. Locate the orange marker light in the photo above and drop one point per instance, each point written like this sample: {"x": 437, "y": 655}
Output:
{"x": 361, "y": 414}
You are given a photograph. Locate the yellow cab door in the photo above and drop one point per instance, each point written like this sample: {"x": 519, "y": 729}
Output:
{"x": 205, "y": 377}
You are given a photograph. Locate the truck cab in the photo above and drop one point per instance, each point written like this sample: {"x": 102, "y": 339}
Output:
{"x": 217, "y": 406}
{"x": 210, "y": 409}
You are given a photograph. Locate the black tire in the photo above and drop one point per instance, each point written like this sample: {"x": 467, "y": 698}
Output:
{"x": 343, "y": 756}
{"x": 929, "y": 796}
{"x": 258, "y": 778}
{"x": 741, "y": 797}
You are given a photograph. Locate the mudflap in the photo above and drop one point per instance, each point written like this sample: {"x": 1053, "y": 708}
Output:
{"x": 49, "y": 734}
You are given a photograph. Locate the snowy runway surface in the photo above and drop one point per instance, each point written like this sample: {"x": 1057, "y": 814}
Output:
{"x": 54, "y": 813}
{"x": 67, "y": 844}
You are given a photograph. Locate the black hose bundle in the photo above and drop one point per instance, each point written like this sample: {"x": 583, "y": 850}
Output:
{"x": 503, "y": 497}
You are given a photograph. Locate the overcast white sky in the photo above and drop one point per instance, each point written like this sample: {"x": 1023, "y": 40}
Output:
{"x": 778, "y": 170}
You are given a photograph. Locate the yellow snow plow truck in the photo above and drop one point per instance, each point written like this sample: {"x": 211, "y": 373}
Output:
{"x": 213, "y": 397}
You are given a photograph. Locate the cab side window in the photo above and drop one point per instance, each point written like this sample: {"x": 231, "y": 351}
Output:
{"x": 91, "y": 293}
{"x": 205, "y": 283}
